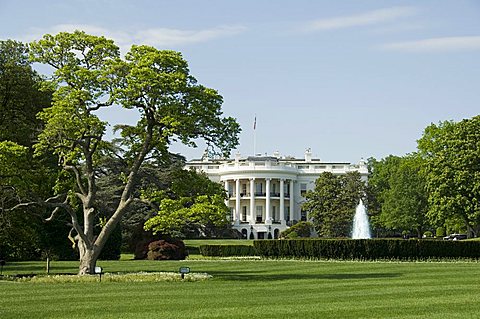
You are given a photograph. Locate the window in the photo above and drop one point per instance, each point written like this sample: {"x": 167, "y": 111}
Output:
{"x": 303, "y": 217}
{"x": 244, "y": 189}
{"x": 259, "y": 189}
{"x": 232, "y": 214}
{"x": 244, "y": 213}
{"x": 259, "y": 214}
{"x": 230, "y": 189}
{"x": 303, "y": 189}
{"x": 274, "y": 213}
{"x": 287, "y": 213}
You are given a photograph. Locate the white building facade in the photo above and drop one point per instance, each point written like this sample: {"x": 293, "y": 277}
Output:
{"x": 266, "y": 193}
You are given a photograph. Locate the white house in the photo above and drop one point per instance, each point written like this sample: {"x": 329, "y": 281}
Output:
{"x": 266, "y": 192}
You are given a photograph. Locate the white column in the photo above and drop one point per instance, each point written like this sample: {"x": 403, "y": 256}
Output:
{"x": 237, "y": 201}
{"x": 228, "y": 193}
{"x": 282, "y": 201}
{"x": 291, "y": 200}
{"x": 228, "y": 196}
{"x": 268, "y": 217}
{"x": 252, "y": 201}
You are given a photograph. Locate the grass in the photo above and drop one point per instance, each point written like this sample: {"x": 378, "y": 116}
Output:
{"x": 253, "y": 289}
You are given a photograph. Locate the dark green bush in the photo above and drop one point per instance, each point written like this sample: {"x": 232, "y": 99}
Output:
{"x": 227, "y": 250}
{"x": 173, "y": 249}
{"x": 300, "y": 229}
{"x": 112, "y": 248}
{"x": 367, "y": 249}
{"x": 428, "y": 234}
{"x": 440, "y": 232}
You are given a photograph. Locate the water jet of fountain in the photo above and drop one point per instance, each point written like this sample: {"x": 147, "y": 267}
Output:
{"x": 361, "y": 226}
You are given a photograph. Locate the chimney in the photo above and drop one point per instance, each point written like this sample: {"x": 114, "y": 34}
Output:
{"x": 308, "y": 155}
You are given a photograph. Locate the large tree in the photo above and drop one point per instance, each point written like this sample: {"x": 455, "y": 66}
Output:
{"x": 452, "y": 154}
{"x": 405, "y": 199}
{"x": 23, "y": 235}
{"x": 331, "y": 205}
{"x": 20, "y": 95}
{"x": 90, "y": 75}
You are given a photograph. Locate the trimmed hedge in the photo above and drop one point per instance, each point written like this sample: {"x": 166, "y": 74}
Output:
{"x": 367, "y": 249}
{"x": 227, "y": 250}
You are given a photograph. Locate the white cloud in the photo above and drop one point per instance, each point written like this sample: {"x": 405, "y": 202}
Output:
{"x": 363, "y": 19}
{"x": 443, "y": 44}
{"x": 159, "y": 37}
{"x": 169, "y": 37}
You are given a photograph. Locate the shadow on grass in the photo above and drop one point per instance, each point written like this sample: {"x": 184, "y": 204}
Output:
{"x": 257, "y": 276}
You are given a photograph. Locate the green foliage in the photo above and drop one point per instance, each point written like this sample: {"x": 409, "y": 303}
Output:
{"x": 428, "y": 234}
{"x": 23, "y": 232}
{"x": 227, "y": 250}
{"x": 89, "y": 75}
{"x": 332, "y": 203}
{"x": 402, "y": 192}
{"x": 440, "y": 232}
{"x": 452, "y": 153}
{"x": 112, "y": 248}
{"x": 176, "y": 216}
{"x": 20, "y": 95}
{"x": 300, "y": 229}
{"x": 367, "y": 249}
{"x": 191, "y": 205}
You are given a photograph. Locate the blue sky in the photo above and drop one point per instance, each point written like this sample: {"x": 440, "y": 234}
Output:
{"x": 348, "y": 79}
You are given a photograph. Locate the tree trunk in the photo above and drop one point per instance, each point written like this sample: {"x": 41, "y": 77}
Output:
{"x": 88, "y": 259}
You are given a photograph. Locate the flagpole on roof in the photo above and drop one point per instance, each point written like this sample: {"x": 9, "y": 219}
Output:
{"x": 255, "y": 135}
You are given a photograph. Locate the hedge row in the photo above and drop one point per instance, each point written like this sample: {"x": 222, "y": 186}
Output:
{"x": 227, "y": 250}
{"x": 367, "y": 249}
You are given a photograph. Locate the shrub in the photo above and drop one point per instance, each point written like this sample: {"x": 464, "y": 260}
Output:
{"x": 301, "y": 229}
{"x": 440, "y": 232}
{"x": 227, "y": 250}
{"x": 367, "y": 249}
{"x": 292, "y": 235}
{"x": 428, "y": 234}
{"x": 173, "y": 249}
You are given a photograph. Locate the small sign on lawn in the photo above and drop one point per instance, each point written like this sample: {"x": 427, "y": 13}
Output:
{"x": 184, "y": 270}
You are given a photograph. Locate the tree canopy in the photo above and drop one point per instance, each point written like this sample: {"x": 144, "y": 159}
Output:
{"x": 405, "y": 198}
{"x": 452, "y": 154}
{"x": 331, "y": 205}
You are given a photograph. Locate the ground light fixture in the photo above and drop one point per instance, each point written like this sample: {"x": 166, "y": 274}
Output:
{"x": 183, "y": 271}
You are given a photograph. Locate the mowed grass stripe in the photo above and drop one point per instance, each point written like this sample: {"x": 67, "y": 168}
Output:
{"x": 261, "y": 289}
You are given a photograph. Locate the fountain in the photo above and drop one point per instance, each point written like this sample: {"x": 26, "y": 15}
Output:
{"x": 361, "y": 226}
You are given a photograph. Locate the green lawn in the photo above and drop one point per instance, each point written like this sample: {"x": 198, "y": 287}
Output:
{"x": 255, "y": 289}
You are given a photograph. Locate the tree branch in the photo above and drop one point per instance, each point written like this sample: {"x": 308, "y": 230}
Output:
{"x": 77, "y": 177}
{"x": 147, "y": 202}
{"x": 56, "y": 206}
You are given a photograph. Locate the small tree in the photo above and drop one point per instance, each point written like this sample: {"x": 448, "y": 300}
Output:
{"x": 89, "y": 75}
{"x": 332, "y": 203}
